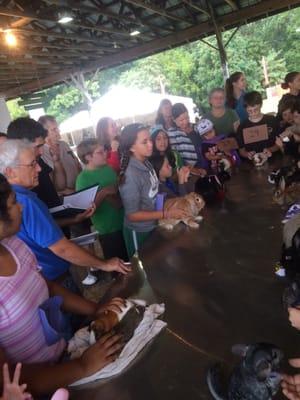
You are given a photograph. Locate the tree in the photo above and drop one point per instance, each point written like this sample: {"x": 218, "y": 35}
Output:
{"x": 15, "y": 110}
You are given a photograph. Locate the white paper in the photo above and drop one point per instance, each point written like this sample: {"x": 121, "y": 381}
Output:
{"x": 80, "y": 200}
{"x": 84, "y": 240}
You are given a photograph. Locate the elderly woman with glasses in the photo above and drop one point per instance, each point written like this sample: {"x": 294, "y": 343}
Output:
{"x": 23, "y": 292}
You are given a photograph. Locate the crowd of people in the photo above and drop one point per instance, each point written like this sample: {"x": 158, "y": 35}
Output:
{"x": 132, "y": 168}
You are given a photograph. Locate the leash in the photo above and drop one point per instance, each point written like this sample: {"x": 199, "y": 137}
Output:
{"x": 194, "y": 347}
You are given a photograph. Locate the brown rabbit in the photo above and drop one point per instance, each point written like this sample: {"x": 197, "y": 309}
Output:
{"x": 285, "y": 195}
{"x": 192, "y": 204}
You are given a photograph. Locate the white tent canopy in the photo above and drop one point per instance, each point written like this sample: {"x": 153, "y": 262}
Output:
{"x": 121, "y": 103}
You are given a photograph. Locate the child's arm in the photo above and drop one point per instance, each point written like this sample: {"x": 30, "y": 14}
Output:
{"x": 45, "y": 378}
{"x": 183, "y": 174}
{"x": 71, "y": 301}
{"x": 246, "y": 154}
{"x": 236, "y": 125}
{"x": 104, "y": 193}
{"x": 280, "y": 144}
{"x": 212, "y": 157}
{"x": 273, "y": 148}
{"x": 79, "y": 305}
{"x": 140, "y": 216}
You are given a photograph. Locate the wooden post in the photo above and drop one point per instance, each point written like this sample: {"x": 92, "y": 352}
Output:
{"x": 221, "y": 47}
{"x": 265, "y": 69}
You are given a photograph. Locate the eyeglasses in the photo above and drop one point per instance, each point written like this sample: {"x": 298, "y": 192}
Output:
{"x": 33, "y": 164}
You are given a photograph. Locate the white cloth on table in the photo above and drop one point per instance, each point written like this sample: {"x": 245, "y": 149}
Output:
{"x": 149, "y": 327}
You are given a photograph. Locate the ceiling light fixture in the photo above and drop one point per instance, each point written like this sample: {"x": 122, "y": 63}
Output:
{"x": 10, "y": 38}
{"x": 64, "y": 17}
{"x": 134, "y": 33}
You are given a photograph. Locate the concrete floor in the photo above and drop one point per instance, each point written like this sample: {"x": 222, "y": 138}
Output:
{"x": 219, "y": 287}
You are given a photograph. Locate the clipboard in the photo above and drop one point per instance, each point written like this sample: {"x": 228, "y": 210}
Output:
{"x": 85, "y": 240}
{"x": 258, "y": 133}
{"x": 75, "y": 203}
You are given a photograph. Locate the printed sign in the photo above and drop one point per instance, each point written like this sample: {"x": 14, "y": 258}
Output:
{"x": 255, "y": 134}
{"x": 227, "y": 144}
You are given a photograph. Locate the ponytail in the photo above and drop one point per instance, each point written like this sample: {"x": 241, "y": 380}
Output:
{"x": 125, "y": 158}
{"x": 127, "y": 139}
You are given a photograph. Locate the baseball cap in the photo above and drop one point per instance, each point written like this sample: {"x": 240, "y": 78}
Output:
{"x": 154, "y": 131}
{"x": 204, "y": 126}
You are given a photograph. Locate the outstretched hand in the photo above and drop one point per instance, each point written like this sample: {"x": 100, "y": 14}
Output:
{"x": 103, "y": 352}
{"x": 115, "y": 264}
{"x": 116, "y": 305}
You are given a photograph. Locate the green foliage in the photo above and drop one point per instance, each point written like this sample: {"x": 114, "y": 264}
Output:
{"x": 194, "y": 69}
{"x": 15, "y": 110}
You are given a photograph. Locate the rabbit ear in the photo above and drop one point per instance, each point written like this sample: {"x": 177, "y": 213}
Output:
{"x": 282, "y": 184}
{"x": 240, "y": 349}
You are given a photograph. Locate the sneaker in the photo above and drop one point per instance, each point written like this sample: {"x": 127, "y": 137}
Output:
{"x": 90, "y": 279}
{"x": 279, "y": 270}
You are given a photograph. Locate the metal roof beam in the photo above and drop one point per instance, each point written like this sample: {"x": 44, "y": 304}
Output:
{"x": 157, "y": 10}
{"x": 232, "y": 4}
{"x": 97, "y": 28}
{"x": 180, "y": 37}
{"x": 67, "y": 36}
{"x": 196, "y": 7}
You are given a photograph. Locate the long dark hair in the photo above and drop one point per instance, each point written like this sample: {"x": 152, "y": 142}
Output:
{"x": 5, "y": 191}
{"x": 168, "y": 152}
{"x": 230, "y": 99}
{"x": 289, "y": 78}
{"x": 159, "y": 120}
{"x": 102, "y": 132}
{"x": 285, "y": 103}
{"x": 157, "y": 161}
{"x": 127, "y": 139}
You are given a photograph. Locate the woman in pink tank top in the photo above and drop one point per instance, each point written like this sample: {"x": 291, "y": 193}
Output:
{"x": 22, "y": 291}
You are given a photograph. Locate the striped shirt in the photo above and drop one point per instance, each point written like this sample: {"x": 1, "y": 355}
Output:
{"x": 182, "y": 143}
{"x": 21, "y": 333}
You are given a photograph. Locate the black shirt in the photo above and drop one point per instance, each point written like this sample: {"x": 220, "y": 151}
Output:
{"x": 45, "y": 189}
{"x": 291, "y": 148}
{"x": 197, "y": 142}
{"x": 258, "y": 147}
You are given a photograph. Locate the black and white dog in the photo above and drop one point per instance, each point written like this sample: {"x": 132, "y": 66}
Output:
{"x": 256, "y": 377}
